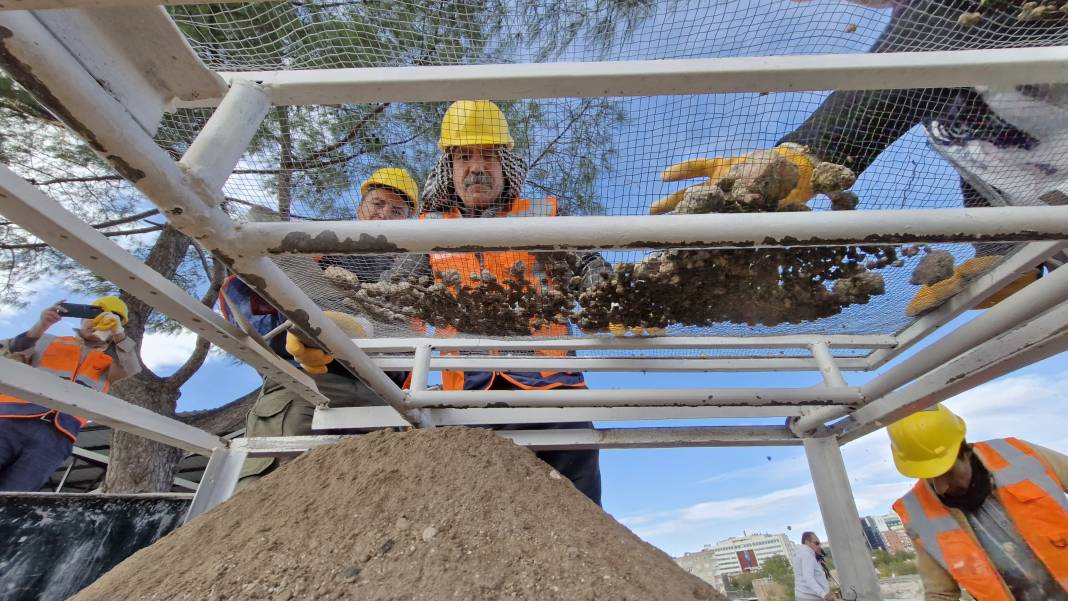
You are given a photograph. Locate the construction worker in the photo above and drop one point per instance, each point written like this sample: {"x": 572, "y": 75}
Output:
{"x": 1008, "y": 145}
{"x": 35, "y": 440}
{"x": 390, "y": 193}
{"x": 988, "y": 517}
{"x": 478, "y": 176}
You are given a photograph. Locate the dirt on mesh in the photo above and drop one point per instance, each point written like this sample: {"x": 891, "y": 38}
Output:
{"x": 447, "y": 513}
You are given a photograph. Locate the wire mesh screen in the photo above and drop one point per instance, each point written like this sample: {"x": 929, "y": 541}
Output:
{"x": 330, "y": 34}
{"x": 743, "y": 152}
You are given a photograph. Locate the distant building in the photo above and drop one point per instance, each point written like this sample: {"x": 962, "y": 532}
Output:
{"x": 886, "y": 533}
{"x": 703, "y": 565}
{"x": 740, "y": 554}
{"x": 897, "y": 541}
{"x": 873, "y": 533}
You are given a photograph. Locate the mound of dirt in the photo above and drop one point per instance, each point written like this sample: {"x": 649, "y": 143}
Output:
{"x": 447, "y": 513}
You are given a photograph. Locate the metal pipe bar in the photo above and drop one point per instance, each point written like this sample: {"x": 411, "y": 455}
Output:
{"x": 1044, "y": 337}
{"x": 49, "y": 221}
{"x": 218, "y": 147}
{"x": 841, "y": 518}
{"x": 1009, "y": 313}
{"x": 729, "y": 230}
{"x": 1024, "y": 259}
{"x": 420, "y": 368}
{"x": 342, "y": 418}
{"x": 624, "y": 364}
{"x": 549, "y": 440}
{"x": 653, "y": 397}
{"x": 218, "y": 482}
{"x": 103, "y": 459}
{"x": 66, "y": 472}
{"x": 1019, "y": 308}
{"x": 882, "y": 71}
{"x": 400, "y": 345}
{"x": 42, "y": 64}
{"x": 42, "y": 388}
{"x": 832, "y": 376}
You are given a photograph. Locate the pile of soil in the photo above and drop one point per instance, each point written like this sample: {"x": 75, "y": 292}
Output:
{"x": 447, "y": 513}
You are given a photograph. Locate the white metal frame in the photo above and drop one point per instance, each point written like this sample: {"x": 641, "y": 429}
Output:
{"x": 71, "y": 59}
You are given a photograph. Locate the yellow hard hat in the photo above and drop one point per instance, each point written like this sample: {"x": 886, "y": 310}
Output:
{"x": 474, "y": 123}
{"x": 113, "y": 304}
{"x": 396, "y": 178}
{"x": 926, "y": 443}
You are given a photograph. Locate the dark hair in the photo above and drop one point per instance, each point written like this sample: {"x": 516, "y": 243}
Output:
{"x": 965, "y": 450}
{"x": 807, "y": 537}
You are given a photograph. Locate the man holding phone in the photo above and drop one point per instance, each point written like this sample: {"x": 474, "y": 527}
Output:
{"x": 35, "y": 440}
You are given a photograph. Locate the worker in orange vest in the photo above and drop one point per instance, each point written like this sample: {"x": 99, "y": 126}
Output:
{"x": 478, "y": 176}
{"x": 35, "y": 440}
{"x": 988, "y": 517}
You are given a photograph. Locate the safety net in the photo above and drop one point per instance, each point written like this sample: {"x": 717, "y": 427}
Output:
{"x": 913, "y": 148}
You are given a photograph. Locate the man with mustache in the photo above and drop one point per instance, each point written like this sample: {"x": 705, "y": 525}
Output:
{"x": 478, "y": 176}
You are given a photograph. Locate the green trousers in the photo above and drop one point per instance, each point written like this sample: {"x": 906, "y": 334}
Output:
{"x": 279, "y": 412}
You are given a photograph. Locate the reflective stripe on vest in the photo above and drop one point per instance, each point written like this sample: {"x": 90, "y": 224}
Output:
{"x": 1034, "y": 500}
{"x": 499, "y": 263}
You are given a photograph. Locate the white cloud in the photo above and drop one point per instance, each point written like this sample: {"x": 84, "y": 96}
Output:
{"x": 1028, "y": 406}
{"x": 159, "y": 351}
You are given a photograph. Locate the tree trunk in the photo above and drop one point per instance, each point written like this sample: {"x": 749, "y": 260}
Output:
{"x": 285, "y": 163}
{"x": 138, "y": 464}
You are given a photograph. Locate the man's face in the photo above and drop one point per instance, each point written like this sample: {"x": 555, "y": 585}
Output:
{"x": 477, "y": 175}
{"x": 383, "y": 203}
{"x": 956, "y": 481}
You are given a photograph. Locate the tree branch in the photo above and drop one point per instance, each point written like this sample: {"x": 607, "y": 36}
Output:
{"x": 574, "y": 119}
{"x": 40, "y": 245}
{"x": 113, "y": 222}
{"x": 314, "y": 158}
{"x": 75, "y": 180}
{"x": 200, "y": 351}
{"x": 191, "y": 365}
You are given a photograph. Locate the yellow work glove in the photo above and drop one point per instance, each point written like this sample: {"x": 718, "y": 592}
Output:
{"x": 314, "y": 360}
{"x": 106, "y": 325}
{"x": 717, "y": 168}
{"x": 933, "y": 295}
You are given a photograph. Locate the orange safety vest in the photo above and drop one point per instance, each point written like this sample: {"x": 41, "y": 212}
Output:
{"x": 1034, "y": 499}
{"x": 62, "y": 357}
{"x": 499, "y": 263}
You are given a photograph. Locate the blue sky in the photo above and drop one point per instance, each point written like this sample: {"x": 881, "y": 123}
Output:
{"x": 682, "y": 499}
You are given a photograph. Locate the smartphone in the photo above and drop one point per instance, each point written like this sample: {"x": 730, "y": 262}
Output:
{"x": 80, "y": 311}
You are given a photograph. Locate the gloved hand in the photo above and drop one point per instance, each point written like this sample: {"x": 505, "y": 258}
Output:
{"x": 314, "y": 360}
{"x": 107, "y": 325}
{"x": 933, "y": 295}
{"x": 740, "y": 167}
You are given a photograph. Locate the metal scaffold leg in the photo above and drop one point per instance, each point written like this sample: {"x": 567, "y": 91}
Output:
{"x": 219, "y": 480}
{"x": 851, "y": 554}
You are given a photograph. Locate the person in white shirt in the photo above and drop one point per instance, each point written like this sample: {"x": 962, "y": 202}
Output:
{"x": 810, "y": 581}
